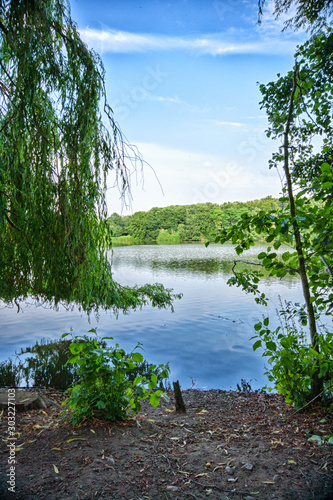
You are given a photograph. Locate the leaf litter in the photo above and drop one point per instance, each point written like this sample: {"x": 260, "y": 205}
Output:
{"x": 227, "y": 445}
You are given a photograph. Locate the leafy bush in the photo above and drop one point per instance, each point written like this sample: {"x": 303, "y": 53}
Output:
{"x": 293, "y": 360}
{"x": 104, "y": 388}
{"x": 167, "y": 238}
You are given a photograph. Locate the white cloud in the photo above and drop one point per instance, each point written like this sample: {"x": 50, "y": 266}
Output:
{"x": 123, "y": 42}
{"x": 193, "y": 108}
{"x": 191, "y": 177}
{"x": 229, "y": 124}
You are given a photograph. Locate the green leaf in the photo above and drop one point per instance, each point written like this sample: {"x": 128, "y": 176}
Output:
{"x": 256, "y": 345}
{"x": 153, "y": 380}
{"x": 257, "y": 327}
{"x": 266, "y": 321}
{"x": 137, "y": 357}
{"x": 315, "y": 438}
{"x": 154, "y": 400}
{"x": 74, "y": 359}
{"x": 325, "y": 167}
{"x": 271, "y": 345}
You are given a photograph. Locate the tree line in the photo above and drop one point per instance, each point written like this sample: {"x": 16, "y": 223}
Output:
{"x": 184, "y": 223}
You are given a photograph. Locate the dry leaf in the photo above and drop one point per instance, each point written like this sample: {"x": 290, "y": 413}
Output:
{"x": 56, "y": 470}
{"x": 76, "y": 439}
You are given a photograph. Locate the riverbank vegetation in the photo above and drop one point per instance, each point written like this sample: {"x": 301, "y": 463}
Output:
{"x": 183, "y": 223}
{"x": 299, "y": 111}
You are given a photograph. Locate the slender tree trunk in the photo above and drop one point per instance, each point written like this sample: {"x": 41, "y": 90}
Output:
{"x": 317, "y": 383}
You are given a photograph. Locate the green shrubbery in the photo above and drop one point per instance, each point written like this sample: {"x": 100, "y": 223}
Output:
{"x": 168, "y": 238}
{"x": 99, "y": 380}
{"x": 292, "y": 360}
{"x": 105, "y": 388}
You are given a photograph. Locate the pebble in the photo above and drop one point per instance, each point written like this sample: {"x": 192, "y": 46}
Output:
{"x": 247, "y": 466}
{"x": 230, "y": 470}
{"x": 172, "y": 488}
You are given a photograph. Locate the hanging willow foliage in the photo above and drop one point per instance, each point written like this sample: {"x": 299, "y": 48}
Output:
{"x": 55, "y": 154}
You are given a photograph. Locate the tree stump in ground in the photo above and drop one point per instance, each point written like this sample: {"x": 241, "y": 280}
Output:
{"x": 180, "y": 405}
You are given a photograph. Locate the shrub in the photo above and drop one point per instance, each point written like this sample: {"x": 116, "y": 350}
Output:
{"x": 105, "y": 388}
{"x": 292, "y": 359}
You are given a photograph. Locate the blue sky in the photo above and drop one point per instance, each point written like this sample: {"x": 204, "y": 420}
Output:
{"x": 182, "y": 77}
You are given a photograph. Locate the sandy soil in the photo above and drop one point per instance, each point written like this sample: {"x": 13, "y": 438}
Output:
{"x": 228, "y": 445}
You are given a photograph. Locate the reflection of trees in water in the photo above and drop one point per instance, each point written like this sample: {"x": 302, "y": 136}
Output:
{"x": 199, "y": 266}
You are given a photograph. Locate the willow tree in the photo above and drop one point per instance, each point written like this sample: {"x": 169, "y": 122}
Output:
{"x": 310, "y": 14}
{"x": 58, "y": 143}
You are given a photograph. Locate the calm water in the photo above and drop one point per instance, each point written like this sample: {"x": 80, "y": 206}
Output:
{"x": 206, "y": 339}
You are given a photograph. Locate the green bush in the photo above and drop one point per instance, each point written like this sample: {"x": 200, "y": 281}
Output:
{"x": 293, "y": 361}
{"x": 105, "y": 388}
{"x": 166, "y": 238}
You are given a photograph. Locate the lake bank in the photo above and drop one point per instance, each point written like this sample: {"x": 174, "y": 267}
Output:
{"x": 227, "y": 443}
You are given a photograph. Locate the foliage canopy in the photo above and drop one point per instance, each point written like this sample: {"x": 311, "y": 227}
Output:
{"x": 310, "y": 14}
{"x": 58, "y": 142}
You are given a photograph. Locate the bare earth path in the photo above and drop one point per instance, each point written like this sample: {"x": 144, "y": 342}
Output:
{"x": 228, "y": 445}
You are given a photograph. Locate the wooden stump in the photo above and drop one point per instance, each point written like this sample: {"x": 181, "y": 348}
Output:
{"x": 180, "y": 405}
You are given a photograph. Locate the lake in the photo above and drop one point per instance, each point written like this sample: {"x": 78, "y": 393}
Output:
{"x": 207, "y": 338}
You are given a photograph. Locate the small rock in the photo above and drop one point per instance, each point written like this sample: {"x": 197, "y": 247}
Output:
{"x": 247, "y": 466}
{"x": 230, "y": 470}
{"x": 232, "y": 479}
{"x": 172, "y": 488}
{"x": 276, "y": 477}
{"x": 110, "y": 460}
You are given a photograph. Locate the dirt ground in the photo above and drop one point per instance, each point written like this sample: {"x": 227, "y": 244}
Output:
{"x": 228, "y": 445}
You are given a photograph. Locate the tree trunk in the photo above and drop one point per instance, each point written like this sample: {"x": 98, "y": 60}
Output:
{"x": 180, "y": 405}
{"x": 317, "y": 383}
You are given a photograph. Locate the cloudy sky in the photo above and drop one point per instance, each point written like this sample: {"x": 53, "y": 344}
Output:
{"x": 182, "y": 79}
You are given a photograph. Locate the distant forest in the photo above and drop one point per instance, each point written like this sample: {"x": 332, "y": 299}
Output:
{"x": 183, "y": 223}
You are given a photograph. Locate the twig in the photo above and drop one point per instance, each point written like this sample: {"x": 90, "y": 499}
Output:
{"x": 237, "y": 492}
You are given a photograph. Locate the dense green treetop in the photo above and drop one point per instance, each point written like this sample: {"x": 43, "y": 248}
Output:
{"x": 55, "y": 154}
{"x": 185, "y": 223}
